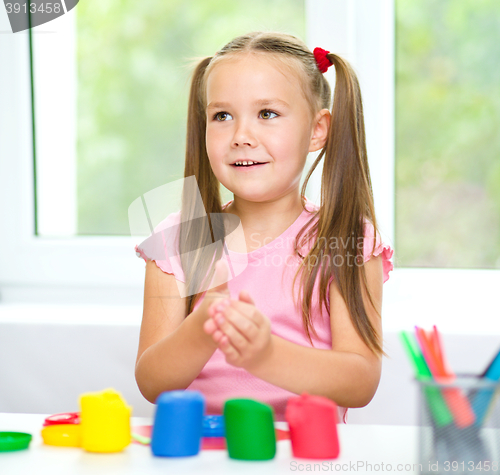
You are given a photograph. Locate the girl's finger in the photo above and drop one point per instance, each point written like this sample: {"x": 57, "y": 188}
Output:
{"x": 217, "y": 336}
{"x": 243, "y": 324}
{"x": 230, "y": 352}
{"x": 246, "y": 297}
{"x": 236, "y": 339}
{"x": 209, "y": 326}
{"x": 211, "y": 310}
{"x": 248, "y": 310}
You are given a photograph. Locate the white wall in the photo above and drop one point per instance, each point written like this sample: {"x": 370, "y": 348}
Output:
{"x": 50, "y": 355}
{"x": 46, "y": 363}
{"x": 46, "y": 366}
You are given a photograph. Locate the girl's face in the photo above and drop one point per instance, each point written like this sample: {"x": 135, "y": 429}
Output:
{"x": 256, "y": 112}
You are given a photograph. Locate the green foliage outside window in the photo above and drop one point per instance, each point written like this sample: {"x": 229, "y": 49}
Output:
{"x": 134, "y": 64}
{"x": 448, "y": 133}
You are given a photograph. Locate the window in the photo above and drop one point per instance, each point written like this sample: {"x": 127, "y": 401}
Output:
{"x": 104, "y": 134}
{"x": 131, "y": 62}
{"x": 447, "y": 140}
{"x": 77, "y": 264}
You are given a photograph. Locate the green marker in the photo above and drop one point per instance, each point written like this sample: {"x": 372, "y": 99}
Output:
{"x": 437, "y": 405}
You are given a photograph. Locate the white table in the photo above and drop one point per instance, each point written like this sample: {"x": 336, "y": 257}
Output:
{"x": 360, "y": 445}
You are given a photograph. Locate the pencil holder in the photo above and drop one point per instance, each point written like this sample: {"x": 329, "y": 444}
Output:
{"x": 459, "y": 426}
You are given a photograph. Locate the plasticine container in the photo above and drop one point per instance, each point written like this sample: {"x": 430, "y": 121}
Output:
{"x": 13, "y": 441}
{"x": 105, "y": 421}
{"x": 213, "y": 426}
{"x": 313, "y": 427}
{"x": 62, "y": 435}
{"x": 250, "y": 433}
{"x": 178, "y": 424}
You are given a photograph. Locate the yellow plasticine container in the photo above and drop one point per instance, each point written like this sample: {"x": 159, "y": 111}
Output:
{"x": 105, "y": 421}
{"x": 63, "y": 435}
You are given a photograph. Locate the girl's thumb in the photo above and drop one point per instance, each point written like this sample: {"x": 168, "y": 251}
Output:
{"x": 245, "y": 297}
{"x": 220, "y": 278}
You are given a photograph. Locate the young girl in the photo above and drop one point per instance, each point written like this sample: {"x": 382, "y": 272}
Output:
{"x": 256, "y": 109}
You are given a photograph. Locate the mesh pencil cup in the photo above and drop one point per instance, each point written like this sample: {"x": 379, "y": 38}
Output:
{"x": 459, "y": 426}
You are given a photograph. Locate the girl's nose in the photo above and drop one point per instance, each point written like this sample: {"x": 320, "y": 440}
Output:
{"x": 243, "y": 136}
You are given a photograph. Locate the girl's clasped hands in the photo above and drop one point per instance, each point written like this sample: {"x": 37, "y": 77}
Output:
{"x": 241, "y": 331}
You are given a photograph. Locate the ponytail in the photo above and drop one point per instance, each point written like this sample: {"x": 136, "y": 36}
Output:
{"x": 199, "y": 227}
{"x": 346, "y": 202}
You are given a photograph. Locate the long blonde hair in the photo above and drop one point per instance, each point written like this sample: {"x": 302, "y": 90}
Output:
{"x": 346, "y": 191}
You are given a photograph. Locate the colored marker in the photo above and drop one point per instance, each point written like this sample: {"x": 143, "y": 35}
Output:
{"x": 483, "y": 397}
{"x": 492, "y": 362}
{"x": 457, "y": 401}
{"x": 437, "y": 405}
{"x": 438, "y": 344}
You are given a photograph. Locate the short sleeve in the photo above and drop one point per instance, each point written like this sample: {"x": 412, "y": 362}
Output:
{"x": 161, "y": 246}
{"x": 381, "y": 249}
{"x": 163, "y": 264}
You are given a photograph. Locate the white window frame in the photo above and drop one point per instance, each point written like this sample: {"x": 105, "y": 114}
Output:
{"x": 457, "y": 300}
{"x": 83, "y": 269}
{"x": 105, "y": 269}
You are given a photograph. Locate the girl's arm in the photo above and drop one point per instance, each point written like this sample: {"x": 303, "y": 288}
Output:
{"x": 348, "y": 374}
{"x": 173, "y": 348}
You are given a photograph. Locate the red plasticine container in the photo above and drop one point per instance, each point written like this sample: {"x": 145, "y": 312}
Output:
{"x": 313, "y": 427}
{"x": 64, "y": 418}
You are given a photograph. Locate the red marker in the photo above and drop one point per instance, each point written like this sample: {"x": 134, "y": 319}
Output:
{"x": 456, "y": 400}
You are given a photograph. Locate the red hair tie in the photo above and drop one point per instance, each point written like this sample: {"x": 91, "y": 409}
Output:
{"x": 321, "y": 59}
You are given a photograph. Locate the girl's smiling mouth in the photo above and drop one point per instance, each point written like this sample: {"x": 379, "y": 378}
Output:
{"x": 247, "y": 165}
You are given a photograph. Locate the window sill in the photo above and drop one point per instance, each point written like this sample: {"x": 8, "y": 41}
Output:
{"x": 458, "y": 301}
{"x": 70, "y": 314}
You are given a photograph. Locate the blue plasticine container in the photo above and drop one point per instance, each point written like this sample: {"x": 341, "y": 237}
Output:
{"x": 213, "y": 426}
{"x": 178, "y": 424}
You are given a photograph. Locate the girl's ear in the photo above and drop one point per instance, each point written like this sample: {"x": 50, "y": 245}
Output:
{"x": 320, "y": 130}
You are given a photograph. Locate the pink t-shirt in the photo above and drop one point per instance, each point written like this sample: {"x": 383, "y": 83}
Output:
{"x": 264, "y": 269}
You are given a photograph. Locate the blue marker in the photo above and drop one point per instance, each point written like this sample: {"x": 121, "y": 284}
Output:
{"x": 492, "y": 362}
{"x": 483, "y": 397}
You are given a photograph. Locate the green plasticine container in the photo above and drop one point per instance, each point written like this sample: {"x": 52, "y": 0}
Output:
{"x": 11, "y": 441}
{"x": 250, "y": 433}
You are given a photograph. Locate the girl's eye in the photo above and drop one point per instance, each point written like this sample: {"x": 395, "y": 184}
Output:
{"x": 267, "y": 114}
{"x": 222, "y": 116}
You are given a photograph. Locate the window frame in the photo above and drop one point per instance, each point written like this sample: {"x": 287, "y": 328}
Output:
{"x": 82, "y": 269}
{"x": 100, "y": 269}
